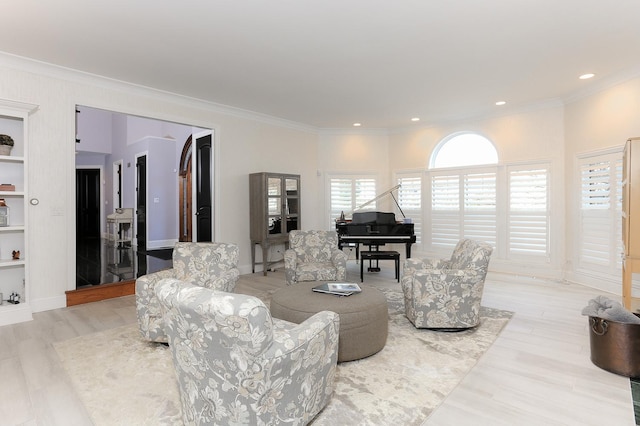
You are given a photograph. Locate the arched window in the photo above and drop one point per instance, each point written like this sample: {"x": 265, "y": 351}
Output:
{"x": 463, "y": 149}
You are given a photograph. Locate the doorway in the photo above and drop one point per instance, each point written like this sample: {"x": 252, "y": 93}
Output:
{"x": 88, "y": 203}
{"x": 115, "y": 141}
{"x": 88, "y": 253}
{"x": 202, "y": 231}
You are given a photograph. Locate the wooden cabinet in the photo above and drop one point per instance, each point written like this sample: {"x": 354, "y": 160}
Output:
{"x": 274, "y": 210}
{"x": 630, "y": 219}
{"x": 14, "y": 271}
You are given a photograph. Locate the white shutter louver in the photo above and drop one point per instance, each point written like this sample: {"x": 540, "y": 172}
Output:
{"x": 528, "y": 212}
{"x": 445, "y": 210}
{"x": 480, "y": 207}
{"x": 600, "y": 244}
{"x": 410, "y": 200}
{"x": 347, "y": 193}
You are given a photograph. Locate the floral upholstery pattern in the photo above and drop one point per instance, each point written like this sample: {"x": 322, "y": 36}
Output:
{"x": 314, "y": 256}
{"x": 441, "y": 293}
{"x": 210, "y": 265}
{"x": 236, "y": 365}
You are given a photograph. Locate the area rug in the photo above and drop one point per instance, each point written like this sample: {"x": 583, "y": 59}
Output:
{"x": 123, "y": 380}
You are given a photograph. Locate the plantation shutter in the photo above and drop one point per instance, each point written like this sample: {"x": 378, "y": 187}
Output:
{"x": 463, "y": 205}
{"x": 410, "y": 201}
{"x": 529, "y": 212}
{"x": 601, "y": 213}
{"x": 347, "y": 193}
{"x": 445, "y": 210}
{"x": 480, "y": 207}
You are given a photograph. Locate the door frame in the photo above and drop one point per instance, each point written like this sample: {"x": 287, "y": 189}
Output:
{"x": 139, "y": 111}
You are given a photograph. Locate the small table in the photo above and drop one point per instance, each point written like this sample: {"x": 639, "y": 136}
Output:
{"x": 379, "y": 255}
{"x": 364, "y": 317}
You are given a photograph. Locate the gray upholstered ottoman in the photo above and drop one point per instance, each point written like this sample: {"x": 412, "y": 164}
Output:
{"x": 364, "y": 317}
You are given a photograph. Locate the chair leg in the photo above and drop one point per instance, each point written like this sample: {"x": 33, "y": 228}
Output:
{"x": 397, "y": 269}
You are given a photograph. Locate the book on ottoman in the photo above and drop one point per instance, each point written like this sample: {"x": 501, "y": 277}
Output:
{"x": 339, "y": 289}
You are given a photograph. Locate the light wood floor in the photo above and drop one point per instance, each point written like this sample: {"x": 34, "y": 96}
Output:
{"x": 538, "y": 371}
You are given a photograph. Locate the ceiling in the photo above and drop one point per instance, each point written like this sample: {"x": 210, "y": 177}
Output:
{"x": 330, "y": 63}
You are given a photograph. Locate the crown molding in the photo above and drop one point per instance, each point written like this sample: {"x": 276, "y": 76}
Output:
{"x": 33, "y": 66}
{"x": 604, "y": 84}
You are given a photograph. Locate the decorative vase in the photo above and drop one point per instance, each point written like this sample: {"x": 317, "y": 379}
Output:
{"x": 6, "y": 143}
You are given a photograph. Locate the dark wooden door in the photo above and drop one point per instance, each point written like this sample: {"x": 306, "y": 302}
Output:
{"x": 204, "y": 203}
{"x": 141, "y": 202}
{"x": 87, "y": 203}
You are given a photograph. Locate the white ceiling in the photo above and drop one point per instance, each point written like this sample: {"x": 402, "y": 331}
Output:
{"x": 330, "y": 63}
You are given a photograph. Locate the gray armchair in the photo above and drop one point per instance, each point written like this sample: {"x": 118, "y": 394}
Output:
{"x": 314, "y": 256}
{"x": 211, "y": 265}
{"x": 235, "y": 364}
{"x": 446, "y": 294}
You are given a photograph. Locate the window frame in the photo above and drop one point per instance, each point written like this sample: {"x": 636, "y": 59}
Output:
{"x": 353, "y": 177}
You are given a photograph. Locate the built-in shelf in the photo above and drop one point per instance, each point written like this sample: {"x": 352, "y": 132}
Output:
{"x": 11, "y": 159}
{"x": 17, "y": 228}
{"x": 11, "y": 263}
{"x": 14, "y": 274}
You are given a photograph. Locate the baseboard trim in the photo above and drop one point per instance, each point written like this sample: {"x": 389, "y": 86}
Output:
{"x": 100, "y": 292}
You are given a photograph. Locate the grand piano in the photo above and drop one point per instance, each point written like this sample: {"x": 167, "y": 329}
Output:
{"x": 373, "y": 228}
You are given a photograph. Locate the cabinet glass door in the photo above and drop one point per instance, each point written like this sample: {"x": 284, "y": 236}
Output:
{"x": 274, "y": 205}
{"x": 292, "y": 203}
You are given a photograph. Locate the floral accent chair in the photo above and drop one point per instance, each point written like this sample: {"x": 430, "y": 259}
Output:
{"x": 236, "y": 365}
{"x": 314, "y": 256}
{"x": 446, "y": 294}
{"x": 211, "y": 265}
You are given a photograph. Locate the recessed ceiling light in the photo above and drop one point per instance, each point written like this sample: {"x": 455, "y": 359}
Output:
{"x": 357, "y": 124}
{"x": 500, "y": 103}
{"x": 415, "y": 119}
{"x": 586, "y": 76}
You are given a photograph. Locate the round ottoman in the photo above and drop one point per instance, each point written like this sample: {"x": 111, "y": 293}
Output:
{"x": 364, "y": 318}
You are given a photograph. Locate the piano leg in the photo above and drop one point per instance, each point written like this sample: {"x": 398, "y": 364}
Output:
{"x": 408, "y": 251}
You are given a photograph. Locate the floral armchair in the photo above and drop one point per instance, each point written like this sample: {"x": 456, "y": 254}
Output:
{"x": 314, "y": 256}
{"x": 211, "y": 265}
{"x": 446, "y": 294}
{"x": 236, "y": 365}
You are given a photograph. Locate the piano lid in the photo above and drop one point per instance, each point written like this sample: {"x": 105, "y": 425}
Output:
{"x": 377, "y": 197}
{"x": 380, "y": 218}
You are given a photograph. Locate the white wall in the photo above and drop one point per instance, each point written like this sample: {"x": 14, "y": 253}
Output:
{"x": 245, "y": 143}
{"x": 533, "y": 134}
{"x": 352, "y": 152}
{"x": 593, "y": 123}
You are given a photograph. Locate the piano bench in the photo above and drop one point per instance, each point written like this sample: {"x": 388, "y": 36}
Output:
{"x": 379, "y": 255}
